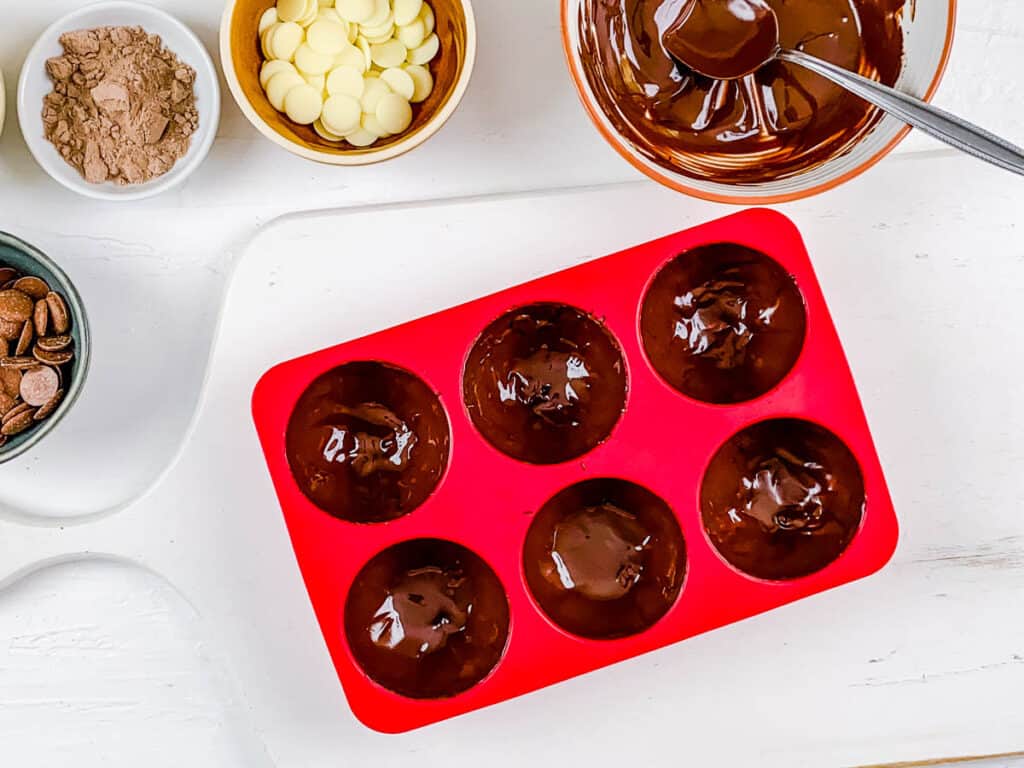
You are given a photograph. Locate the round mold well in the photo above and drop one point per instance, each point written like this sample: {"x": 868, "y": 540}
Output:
{"x": 427, "y": 619}
{"x": 605, "y": 559}
{"x": 782, "y": 499}
{"x": 545, "y": 383}
{"x": 722, "y": 323}
{"x": 368, "y": 442}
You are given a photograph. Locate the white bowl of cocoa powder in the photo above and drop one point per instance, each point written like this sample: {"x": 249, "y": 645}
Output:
{"x": 119, "y": 101}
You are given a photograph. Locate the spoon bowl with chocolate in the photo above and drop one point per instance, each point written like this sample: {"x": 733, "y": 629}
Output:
{"x": 701, "y": 95}
{"x": 731, "y": 39}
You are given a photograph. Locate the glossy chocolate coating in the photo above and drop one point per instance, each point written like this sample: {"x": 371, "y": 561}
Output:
{"x": 782, "y": 499}
{"x": 724, "y": 40}
{"x": 723, "y": 323}
{"x": 368, "y": 442}
{"x": 774, "y": 123}
{"x": 427, "y": 619}
{"x": 545, "y": 383}
{"x": 605, "y": 558}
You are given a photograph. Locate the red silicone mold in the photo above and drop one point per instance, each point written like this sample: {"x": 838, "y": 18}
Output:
{"x": 486, "y": 501}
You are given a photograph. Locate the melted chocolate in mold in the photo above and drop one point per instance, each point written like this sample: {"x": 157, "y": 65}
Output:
{"x": 545, "y": 383}
{"x": 782, "y": 499}
{"x": 367, "y": 442}
{"x": 778, "y": 121}
{"x": 427, "y": 619}
{"x": 605, "y": 558}
{"x": 723, "y": 323}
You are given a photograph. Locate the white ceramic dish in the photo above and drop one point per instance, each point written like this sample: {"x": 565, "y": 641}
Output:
{"x": 34, "y": 84}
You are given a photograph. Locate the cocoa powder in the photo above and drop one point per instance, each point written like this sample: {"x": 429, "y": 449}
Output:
{"x": 122, "y": 107}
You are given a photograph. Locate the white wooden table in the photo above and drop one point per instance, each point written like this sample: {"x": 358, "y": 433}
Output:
{"x": 107, "y": 664}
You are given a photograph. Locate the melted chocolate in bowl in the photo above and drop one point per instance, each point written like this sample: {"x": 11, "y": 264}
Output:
{"x": 545, "y": 383}
{"x": 368, "y": 442}
{"x": 723, "y": 323}
{"x": 427, "y": 619}
{"x": 782, "y": 499}
{"x": 605, "y": 558}
{"x": 776, "y": 122}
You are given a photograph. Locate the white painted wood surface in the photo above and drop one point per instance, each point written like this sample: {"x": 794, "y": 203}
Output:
{"x": 925, "y": 657}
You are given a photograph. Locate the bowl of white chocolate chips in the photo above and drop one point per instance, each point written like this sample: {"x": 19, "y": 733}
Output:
{"x": 348, "y": 82}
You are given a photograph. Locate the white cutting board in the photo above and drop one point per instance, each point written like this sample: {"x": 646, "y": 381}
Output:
{"x": 924, "y": 660}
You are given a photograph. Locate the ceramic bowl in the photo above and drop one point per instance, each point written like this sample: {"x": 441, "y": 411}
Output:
{"x": 34, "y": 84}
{"x": 927, "y": 37}
{"x": 452, "y": 68}
{"x": 29, "y": 260}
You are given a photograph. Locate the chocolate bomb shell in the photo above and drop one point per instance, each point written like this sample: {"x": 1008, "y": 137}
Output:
{"x": 452, "y": 619}
{"x": 723, "y": 323}
{"x": 545, "y": 383}
{"x": 782, "y": 499}
{"x": 605, "y": 558}
{"x": 368, "y": 442}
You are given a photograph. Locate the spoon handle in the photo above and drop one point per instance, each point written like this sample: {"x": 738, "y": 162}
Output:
{"x": 937, "y": 123}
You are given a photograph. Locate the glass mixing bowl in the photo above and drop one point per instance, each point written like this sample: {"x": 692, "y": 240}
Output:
{"x": 927, "y": 38}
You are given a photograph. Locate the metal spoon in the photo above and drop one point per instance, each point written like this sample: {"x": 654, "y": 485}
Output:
{"x": 730, "y": 39}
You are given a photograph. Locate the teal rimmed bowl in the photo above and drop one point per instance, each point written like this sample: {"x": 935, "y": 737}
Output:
{"x": 15, "y": 252}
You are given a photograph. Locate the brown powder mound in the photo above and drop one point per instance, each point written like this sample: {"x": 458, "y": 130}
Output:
{"x": 122, "y": 107}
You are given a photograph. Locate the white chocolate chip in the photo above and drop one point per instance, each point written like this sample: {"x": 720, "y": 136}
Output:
{"x": 406, "y": 11}
{"x": 381, "y": 11}
{"x": 394, "y": 113}
{"x": 274, "y": 67}
{"x": 285, "y": 40}
{"x": 355, "y": 11}
{"x": 317, "y": 81}
{"x": 425, "y": 52}
{"x": 365, "y": 48}
{"x": 378, "y": 34}
{"x": 331, "y": 14}
{"x": 371, "y": 124}
{"x": 361, "y": 138}
{"x": 412, "y": 35}
{"x": 351, "y": 57}
{"x": 341, "y": 114}
{"x": 268, "y": 19}
{"x": 373, "y": 91}
{"x": 303, "y": 104}
{"x": 327, "y": 37}
{"x": 279, "y": 85}
{"x": 392, "y": 54}
{"x": 322, "y": 130}
{"x": 400, "y": 82}
{"x": 423, "y": 81}
{"x": 265, "y": 38}
{"x": 427, "y": 14}
{"x": 310, "y": 62}
{"x": 291, "y": 10}
{"x": 312, "y": 11}
{"x": 345, "y": 80}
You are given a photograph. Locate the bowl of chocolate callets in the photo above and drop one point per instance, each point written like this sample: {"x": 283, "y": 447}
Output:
{"x": 575, "y": 471}
{"x": 44, "y": 346}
